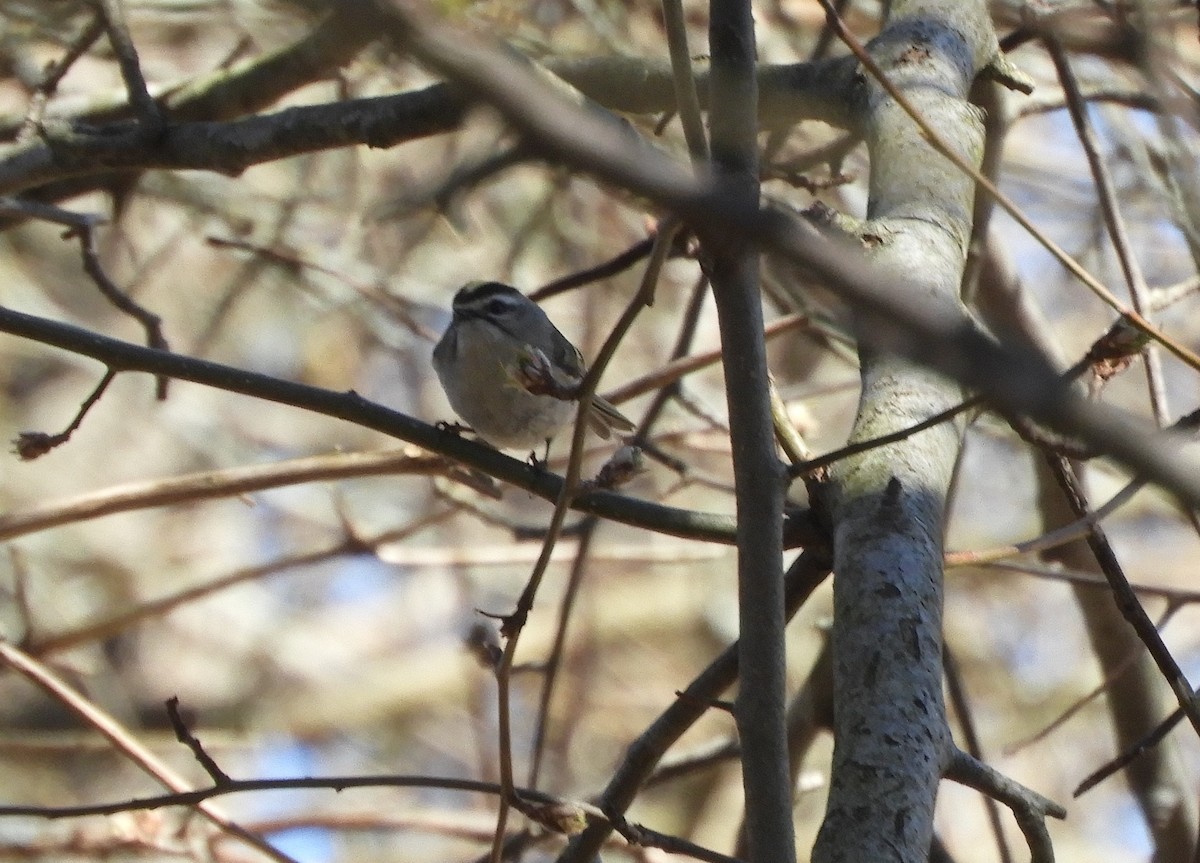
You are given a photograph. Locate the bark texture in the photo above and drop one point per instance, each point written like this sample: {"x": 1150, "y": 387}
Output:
{"x": 892, "y": 741}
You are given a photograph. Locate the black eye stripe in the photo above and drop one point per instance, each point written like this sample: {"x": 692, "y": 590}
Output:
{"x": 493, "y": 301}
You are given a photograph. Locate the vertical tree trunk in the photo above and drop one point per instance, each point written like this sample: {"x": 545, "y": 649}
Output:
{"x": 891, "y": 739}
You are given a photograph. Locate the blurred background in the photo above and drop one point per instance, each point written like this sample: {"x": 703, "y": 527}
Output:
{"x": 292, "y": 656}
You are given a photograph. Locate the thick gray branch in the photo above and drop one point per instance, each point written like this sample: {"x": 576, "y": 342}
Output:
{"x": 891, "y": 739}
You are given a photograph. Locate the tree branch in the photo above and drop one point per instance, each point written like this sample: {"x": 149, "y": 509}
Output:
{"x": 891, "y": 736}
{"x": 126, "y": 357}
{"x": 759, "y": 476}
{"x": 1123, "y": 594}
{"x": 1028, "y": 807}
{"x": 125, "y": 743}
{"x": 803, "y": 577}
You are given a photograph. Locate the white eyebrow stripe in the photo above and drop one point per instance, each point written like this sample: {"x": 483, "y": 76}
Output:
{"x": 479, "y": 296}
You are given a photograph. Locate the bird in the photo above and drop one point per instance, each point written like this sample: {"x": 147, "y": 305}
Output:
{"x": 483, "y": 359}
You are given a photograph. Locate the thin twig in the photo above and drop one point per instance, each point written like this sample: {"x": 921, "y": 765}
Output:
{"x": 643, "y": 836}
{"x": 241, "y": 786}
{"x": 192, "y": 742}
{"x": 1126, "y": 599}
{"x": 515, "y": 622}
{"x": 1111, "y": 209}
{"x": 957, "y": 691}
{"x": 31, "y": 209}
{"x": 997, "y": 120}
{"x": 1105, "y": 685}
{"x": 150, "y": 322}
{"x": 813, "y": 464}
{"x": 832, "y": 153}
{"x": 786, "y": 435}
{"x": 687, "y": 102}
{"x": 939, "y": 143}
{"x": 399, "y": 307}
{"x": 148, "y": 112}
{"x": 443, "y": 194}
{"x": 615, "y": 265}
{"x": 54, "y": 74}
{"x": 587, "y": 528}
{"x": 806, "y": 573}
{"x": 1130, "y": 754}
{"x": 1044, "y": 104}
{"x": 554, "y": 658}
{"x": 1161, "y": 298}
{"x": 231, "y": 482}
{"x": 99, "y": 630}
{"x": 1050, "y": 539}
{"x": 717, "y": 751}
{"x": 1028, "y": 807}
{"x": 83, "y": 226}
{"x": 558, "y": 814}
{"x": 31, "y": 445}
{"x": 671, "y": 384}
{"x": 680, "y": 365}
{"x": 1082, "y": 578}
{"x": 125, "y": 743}
{"x": 825, "y": 38}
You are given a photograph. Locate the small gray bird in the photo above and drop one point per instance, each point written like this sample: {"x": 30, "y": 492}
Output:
{"x": 478, "y": 361}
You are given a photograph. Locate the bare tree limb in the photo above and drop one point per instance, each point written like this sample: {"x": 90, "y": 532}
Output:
{"x": 125, "y": 743}
{"x": 1028, "y": 807}
{"x": 350, "y": 406}
{"x": 148, "y": 112}
{"x": 1124, "y": 596}
{"x": 643, "y": 755}
{"x": 759, "y": 477}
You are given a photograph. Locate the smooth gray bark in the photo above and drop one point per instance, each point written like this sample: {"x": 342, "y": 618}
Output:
{"x": 892, "y": 741}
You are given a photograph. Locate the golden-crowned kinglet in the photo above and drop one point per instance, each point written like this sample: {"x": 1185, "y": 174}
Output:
{"x": 478, "y": 360}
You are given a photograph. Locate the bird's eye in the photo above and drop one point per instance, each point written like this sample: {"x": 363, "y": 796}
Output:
{"x": 497, "y": 307}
